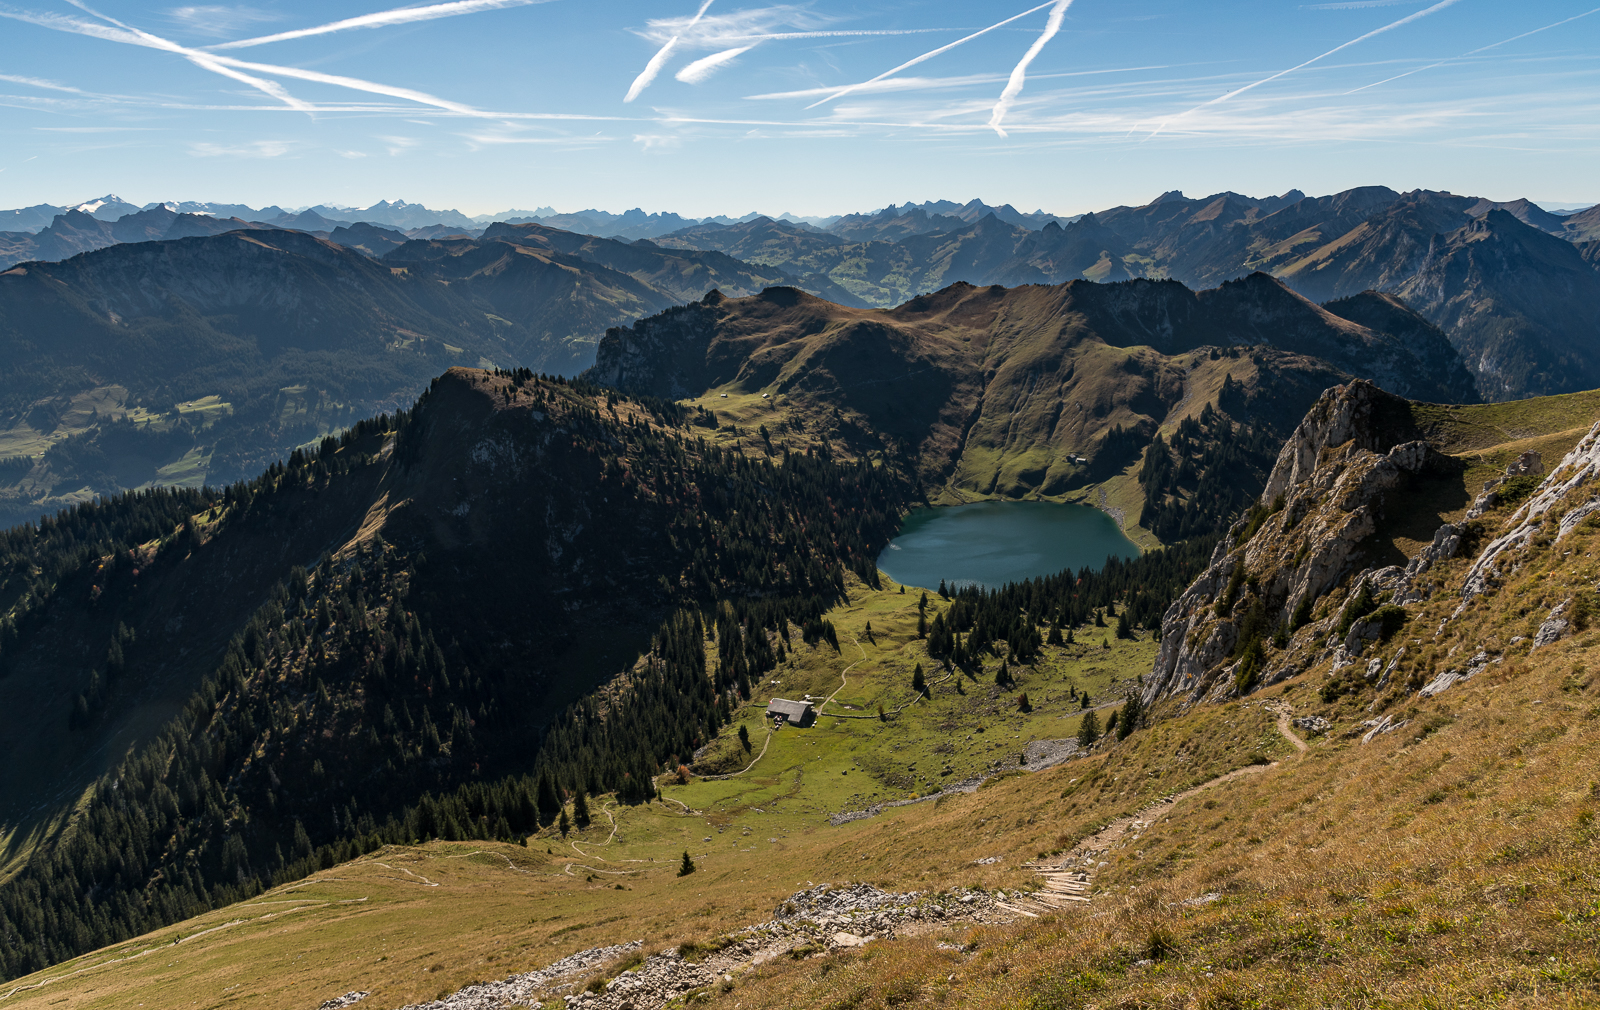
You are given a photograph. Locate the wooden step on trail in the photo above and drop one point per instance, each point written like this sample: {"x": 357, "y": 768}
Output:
{"x": 1019, "y": 911}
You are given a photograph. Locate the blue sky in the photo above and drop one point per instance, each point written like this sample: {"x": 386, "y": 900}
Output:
{"x": 813, "y": 108}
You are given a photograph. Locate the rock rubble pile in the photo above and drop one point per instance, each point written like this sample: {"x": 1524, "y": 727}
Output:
{"x": 808, "y": 923}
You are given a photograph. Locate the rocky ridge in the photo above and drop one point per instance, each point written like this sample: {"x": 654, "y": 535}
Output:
{"x": 1311, "y": 533}
{"x": 1322, "y": 502}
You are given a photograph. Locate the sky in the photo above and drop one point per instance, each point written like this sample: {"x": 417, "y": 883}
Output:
{"x": 706, "y": 107}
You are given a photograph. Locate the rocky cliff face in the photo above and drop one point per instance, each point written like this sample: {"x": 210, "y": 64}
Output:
{"x": 662, "y": 355}
{"x": 1566, "y": 497}
{"x": 1322, "y": 503}
{"x": 1260, "y": 612}
{"x": 1521, "y": 306}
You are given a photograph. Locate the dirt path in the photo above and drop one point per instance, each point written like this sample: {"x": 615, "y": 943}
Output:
{"x": 731, "y": 775}
{"x": 844, "y": 676}
{"x": 1284, "y": 715}
{"x": 1070, "y": 879}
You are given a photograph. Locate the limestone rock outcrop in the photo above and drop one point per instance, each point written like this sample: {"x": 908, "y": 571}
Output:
{"x": 1322, "y": 503}
{"x": 1567, "y": 496}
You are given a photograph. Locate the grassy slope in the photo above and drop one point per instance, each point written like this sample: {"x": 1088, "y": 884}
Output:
{"x": 511, "y": 909}
{"x": 1453, "y": 862}
{"x": 1481, "y": 439}
{"x": 1459, "y": 853}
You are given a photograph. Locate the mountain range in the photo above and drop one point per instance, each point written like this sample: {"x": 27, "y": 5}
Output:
{"x": 523, "y": 607}
{"x": 1520, "y": 305}
{"x": 218, "y": 393}
{"x": 202, "y": 359}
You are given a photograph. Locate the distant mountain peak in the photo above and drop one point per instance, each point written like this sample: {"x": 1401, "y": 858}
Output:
{"x": 90, "y": 206}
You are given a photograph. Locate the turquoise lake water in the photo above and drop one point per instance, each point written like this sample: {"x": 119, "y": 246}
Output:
{"x": 992, "y": 543}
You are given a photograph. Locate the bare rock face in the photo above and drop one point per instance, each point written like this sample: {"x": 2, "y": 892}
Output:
{"x": 661, "y": 355}
{"x": 1554, "y": 626}
{"x": 1529, "y": 462}
{"x": 1326, "y": 493}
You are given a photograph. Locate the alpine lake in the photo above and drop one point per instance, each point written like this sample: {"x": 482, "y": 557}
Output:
{"x": 995, "y": 542}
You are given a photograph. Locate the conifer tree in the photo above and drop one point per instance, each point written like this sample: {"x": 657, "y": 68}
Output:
{"x": 580, "y": 810}
{"x": 919, "y": 683}
{"x": 687, "y": 866}
{"x": 549, "y": 802}
{"x": 563, "y": 825}
{"x": 1132, "y": 710}
{"x": 1088, "y": 730}
{"x": 744, "y": 738}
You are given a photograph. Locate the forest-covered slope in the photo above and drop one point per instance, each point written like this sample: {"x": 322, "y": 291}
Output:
{"x": 286, "y": 670}
{"x": 204, "y": 359}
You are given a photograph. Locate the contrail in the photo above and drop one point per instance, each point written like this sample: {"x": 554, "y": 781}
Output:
{"x": 1019, "y": 73}
{"x": 39, "y": 83}
{"x": 704, "y": 67}
{"x": 205, "y": 61}
{"x": 1441, "y": 5}
{"x": 1474, "y": 52}
{"x": 833, "y": 34}
{"x": 659, "y": 60}
{"x": 357, "y": 84}
{"x": 930, "y": 55}
{"x": 381, "y": 19}
{"x": 229, "y": 67}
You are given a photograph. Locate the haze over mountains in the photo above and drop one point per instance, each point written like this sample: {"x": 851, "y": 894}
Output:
{"x": 228, "y": 370}
{"x": 1522, "y": 313}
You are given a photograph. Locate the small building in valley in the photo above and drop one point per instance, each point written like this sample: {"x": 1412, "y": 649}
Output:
{"x": 795, "y": 713}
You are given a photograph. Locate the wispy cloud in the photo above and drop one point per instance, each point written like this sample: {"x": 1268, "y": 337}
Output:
{"x": 254, "y": 149}
{"x": 704, "y": 67}
{"x": 1019, "y": 73}
{"x": 218, "y": 21}
{"x": 382, "y": 19}
{"x": 1480, "y": 49}
{"x": 398, "y": 145}
{"x": 1351, "y": 5}
{"x": 357, "y": 84}
{"x": 901, "y": 84}
{"x": 36, "y": 82}
{"x": 1391, "y": 26}
{"x": 657, "y": 141}
{"x": 514, "y": 133}
{"x": 841, "y": 92}
{"x": 115, "y": 31}
{"x": 659, "y": 60}
{"x": 112, "y": 30}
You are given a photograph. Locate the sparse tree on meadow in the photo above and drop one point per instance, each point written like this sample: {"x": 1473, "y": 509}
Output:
{"x": 1088, "y": 729}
